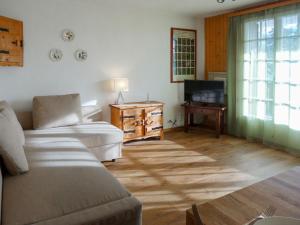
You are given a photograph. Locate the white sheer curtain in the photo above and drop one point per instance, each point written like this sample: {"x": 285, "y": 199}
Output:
{"x": 272, "y": 69}
{"x": 264, "y": 76}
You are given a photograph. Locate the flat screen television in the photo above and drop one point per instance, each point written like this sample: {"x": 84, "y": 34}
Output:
{"x": 204, "y": 91}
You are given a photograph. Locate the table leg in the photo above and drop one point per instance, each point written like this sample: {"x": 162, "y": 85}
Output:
{"x": 191, "y": 119}
{"x": 222, "y": 122}
{"x": 189, "y": 218}
{"x": 218, "y": 124}
{"x": 186, "y": 120}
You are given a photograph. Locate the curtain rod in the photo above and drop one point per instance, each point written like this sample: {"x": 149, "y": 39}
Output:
{"x": 262, "y": 7}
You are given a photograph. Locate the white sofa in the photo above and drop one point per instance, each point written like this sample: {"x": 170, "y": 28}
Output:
{"x": 101, "y": 138}
{"x": 66, "y": 184}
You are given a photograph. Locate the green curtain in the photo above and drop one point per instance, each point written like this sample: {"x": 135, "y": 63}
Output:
{"x": 264, "y": 77}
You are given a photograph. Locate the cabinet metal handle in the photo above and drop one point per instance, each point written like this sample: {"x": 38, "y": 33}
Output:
{"x": 157, "y": 128}
{"x": 128, "y": 117}
{"x": 4, "y": 52}
{"x": 4, "y": 29}
{"x": 129, "y": 131}
{"x": 15, "y": 42}
{"x": 156, "y": 113}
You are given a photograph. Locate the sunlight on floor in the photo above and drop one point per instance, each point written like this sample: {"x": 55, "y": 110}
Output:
{"x": 169, "y": 176}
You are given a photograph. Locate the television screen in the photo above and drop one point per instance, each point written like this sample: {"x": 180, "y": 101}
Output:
{"x": 203, "y": 91}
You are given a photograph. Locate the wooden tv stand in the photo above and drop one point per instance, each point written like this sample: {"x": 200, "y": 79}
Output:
{"x": 191, "y": 108}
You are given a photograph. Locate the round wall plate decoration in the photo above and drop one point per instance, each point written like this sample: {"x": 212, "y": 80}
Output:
{"x": 81, "y": 55}
{"x": 68, "y": 35}
{"x": 55, "y": 55}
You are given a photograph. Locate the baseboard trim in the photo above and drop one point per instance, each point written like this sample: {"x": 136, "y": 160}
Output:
{"x": 173, "y": 129}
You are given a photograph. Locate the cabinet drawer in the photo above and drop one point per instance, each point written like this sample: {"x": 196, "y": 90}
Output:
{"x": 154, "y": 131}
{"x": 134, "y": 133}
{"x": 132, "y": 123}
{"x": 154, "y": 111}
{"x": 129, "y": 134}
{"x": 132, "y": 113}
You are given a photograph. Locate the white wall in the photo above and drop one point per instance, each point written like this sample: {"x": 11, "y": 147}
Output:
{"x": 120, "y": 41}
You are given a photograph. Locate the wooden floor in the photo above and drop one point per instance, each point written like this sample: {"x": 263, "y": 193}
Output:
{"x": 168, "y": 176}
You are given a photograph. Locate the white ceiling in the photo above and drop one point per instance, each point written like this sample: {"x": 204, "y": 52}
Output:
{"x": 190, "y": 7}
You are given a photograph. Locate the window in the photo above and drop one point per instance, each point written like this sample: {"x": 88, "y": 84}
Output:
{"x": 271, "y": 69}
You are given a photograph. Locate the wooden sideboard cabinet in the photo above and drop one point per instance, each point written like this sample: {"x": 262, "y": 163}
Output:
{"x": 138, "y": 120}
{"x": 11, "y": 42}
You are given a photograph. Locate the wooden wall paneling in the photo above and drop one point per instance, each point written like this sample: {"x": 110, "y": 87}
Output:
{"x": 216, "y": 32}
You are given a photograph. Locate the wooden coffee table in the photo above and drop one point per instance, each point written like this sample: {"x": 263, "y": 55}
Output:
{"x": 281, "y": 191}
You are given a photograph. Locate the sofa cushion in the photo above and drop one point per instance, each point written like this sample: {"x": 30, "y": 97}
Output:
{"x": 127, "y": 211}
{"x": 10, "y": 113}
{"x": 92, "y": 135}
{"x": 55, "y": 111}
{"x": 11, "y": 141}
{"x": 1, "y": 186}
{"x": 64, "y": 179}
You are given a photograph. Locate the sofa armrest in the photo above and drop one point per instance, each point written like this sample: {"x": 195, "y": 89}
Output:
{"x": 90, "y": 114}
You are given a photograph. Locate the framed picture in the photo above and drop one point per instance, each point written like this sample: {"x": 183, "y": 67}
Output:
{"x": 183, "y": 55}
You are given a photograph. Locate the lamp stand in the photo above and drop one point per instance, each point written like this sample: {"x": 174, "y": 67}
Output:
{"x": 120, "y": 99}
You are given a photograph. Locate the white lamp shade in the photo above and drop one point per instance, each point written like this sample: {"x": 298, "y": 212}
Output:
{"x": 120, "y": 84}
